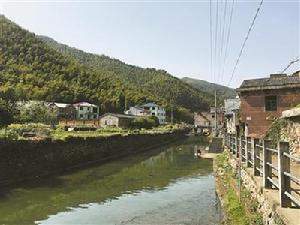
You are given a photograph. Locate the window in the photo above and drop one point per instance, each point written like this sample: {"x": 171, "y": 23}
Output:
{"x": 95, "y": 110}
{"x": 95, "y": 116}
{"x": 80, "y": 108}
{"x": 271, "y": 103}
{"x": 80, "y": 115}
{"x": 153, "y": 114}
{"x": 153, "y": 108}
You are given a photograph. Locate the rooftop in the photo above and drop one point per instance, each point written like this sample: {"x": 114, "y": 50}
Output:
{"x": 85, "y": 104}
{"x": 150, "y": 104}
{"x": 119, "y": 115}
{"x": 231, "y": 105}
{"x": 275, "y": 81}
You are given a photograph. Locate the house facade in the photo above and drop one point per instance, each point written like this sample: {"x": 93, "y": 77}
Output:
{"x": 86, "y": 111}
{"x": 156, "y": 110}
{"x": 203, "y": 120}
{"x": 263, "y": 100}
{"x": 64, "y": 111}
{"x": 231, "y": 114}
{"x": 137, "y": 111}
{"x": 116, "y": 120}
{"x": 220, "y": 117}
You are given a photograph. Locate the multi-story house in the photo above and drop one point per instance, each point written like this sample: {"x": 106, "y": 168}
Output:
{"x": 231, "y": 113}
{"x": 156, "y": 110}
{"x": 263, "y": 100}
{"x": 86, "y": 111}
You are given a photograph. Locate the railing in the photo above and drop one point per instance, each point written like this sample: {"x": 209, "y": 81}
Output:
{"x": 273, "y": 164}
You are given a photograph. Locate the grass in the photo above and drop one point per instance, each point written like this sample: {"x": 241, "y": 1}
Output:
{"x": 14, "y": 131}
{"x": 237, "y": 213}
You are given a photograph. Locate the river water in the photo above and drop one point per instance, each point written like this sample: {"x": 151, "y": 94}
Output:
{"x": 164, "y": 186}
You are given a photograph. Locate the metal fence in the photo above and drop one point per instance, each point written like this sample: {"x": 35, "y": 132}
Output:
{"x": 273, "y": 164}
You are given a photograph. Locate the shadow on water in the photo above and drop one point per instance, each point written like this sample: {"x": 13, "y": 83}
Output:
{"x": 151, "y": 171}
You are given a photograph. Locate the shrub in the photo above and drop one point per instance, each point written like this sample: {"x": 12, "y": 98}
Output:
{"x": 38, "y": 128}
{"x": 145, "y": 122}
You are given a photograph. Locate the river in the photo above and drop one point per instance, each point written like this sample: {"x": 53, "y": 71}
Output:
{"x": 167, "y": 185}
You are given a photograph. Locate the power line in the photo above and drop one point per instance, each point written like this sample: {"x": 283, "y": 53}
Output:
{"x": 228, "y": 37}
{"x": 216, "y": 38}
{"x": 211, "y": 36}
{"x": 245, "y": 41}
{"x": 222, "y": 27}
{"x": 290, "y": 64}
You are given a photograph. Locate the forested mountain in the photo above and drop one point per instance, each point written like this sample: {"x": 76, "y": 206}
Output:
{"x": 32, "y": 69}
{"x": 150, "y": 81}
{"x": 223, "y": 92}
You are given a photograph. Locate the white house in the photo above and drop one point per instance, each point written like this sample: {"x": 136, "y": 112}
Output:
{"x": 156, "y": 110}
{"x": 232, "y": 107}
{"x": 86, "y": 111}
{"x": 137, "y": 111}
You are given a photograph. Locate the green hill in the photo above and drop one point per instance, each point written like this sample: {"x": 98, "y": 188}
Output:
{"x": 149, "y": 80}
{"x": 223, "y": 92}
{"x": 35, "y": 69}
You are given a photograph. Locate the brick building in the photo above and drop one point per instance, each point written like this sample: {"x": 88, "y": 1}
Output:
{"x": 263, "y": 100}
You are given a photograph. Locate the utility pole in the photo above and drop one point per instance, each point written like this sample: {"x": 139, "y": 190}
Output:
{"x": 216, "y": 123}
{"x": 172, "y": 116}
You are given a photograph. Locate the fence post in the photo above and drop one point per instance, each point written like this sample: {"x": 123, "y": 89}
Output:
{"x": 236, "y": 146}
{"x": 284, "y": 181}
{"x": 249, "y": 152}
{"x": 267, "y": 158}
{"x": 256, "y": 162}
{"x": 246, "y": 152}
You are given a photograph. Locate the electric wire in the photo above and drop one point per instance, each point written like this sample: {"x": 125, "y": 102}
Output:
{"x": 245, "y": 42}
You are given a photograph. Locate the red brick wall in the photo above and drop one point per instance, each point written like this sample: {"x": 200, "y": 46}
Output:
{"x": 253, "y": 108}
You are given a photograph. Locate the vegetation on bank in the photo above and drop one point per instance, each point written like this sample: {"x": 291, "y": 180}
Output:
{"x": 244, "y": 212}
{"x": 42, "y": 131}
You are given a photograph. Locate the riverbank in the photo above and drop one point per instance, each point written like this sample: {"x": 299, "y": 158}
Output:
{"x": 254, "y": 206}
{"x": 27, "y": 159}
{"x": 238, "y": 210}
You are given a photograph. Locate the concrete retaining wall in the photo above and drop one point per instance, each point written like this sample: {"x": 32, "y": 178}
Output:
{"x": 25, "y": 159}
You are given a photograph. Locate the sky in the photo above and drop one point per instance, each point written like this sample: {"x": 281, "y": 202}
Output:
{"x": 172, "y": 35}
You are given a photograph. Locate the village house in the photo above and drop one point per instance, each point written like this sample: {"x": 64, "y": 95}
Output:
{"x": 220, "y": 117}
{"x": 64, "y": 111}
{"x": 202, "y": 121}
{"x": 86, "y": 111}
{"x": 156, "y": 110}
{"x": 231, "y": 114}
{"x": 137, "y": 111}
{"x": 116, "y": 120}
{"x": 263, "y": 100}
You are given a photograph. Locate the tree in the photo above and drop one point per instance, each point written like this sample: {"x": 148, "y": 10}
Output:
{"x": 37, "y": 112}
{"x": 6, "y": 115}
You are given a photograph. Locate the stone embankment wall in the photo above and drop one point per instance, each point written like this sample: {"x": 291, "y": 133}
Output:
{"x": 292, "y": 134}
{"x": 265, "y": 206}
{"x": 24, "y": 159}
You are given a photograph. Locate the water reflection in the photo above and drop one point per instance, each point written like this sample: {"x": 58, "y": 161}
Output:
{"x": 167, "y": 184}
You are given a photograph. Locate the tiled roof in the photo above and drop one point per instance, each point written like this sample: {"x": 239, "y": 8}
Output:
{"x": 150, "y": 104}
{"x": 275, "y": 81}
{"x": 85, "y": 104}
{"x": 118, "y": 115}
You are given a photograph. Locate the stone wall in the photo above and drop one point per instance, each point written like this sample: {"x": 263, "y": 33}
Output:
{"x": 24, "y": 159}
{"x": 292, "y": 134}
